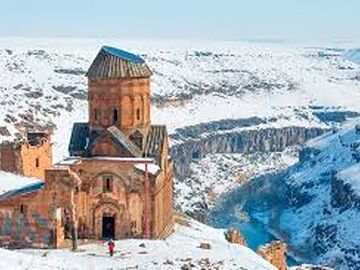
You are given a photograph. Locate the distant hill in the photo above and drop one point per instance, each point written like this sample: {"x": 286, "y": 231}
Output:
{"x": 353, "y": 55}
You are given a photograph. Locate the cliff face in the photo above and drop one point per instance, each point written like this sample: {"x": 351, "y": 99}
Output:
{"x": 322, "y": 198}
{"x": 238, "y": 140}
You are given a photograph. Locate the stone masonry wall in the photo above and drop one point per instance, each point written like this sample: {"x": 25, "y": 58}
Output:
{"x": 8, "y": 158}
{"x": 24, "y": 221}
{"x": 23, "y": 158}
{"x": 36, "y": 159}
{"x": 130, "y": 97}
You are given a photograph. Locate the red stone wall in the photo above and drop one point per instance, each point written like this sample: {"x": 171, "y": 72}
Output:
{"x": 79, "y": 191}
{"x": 23, "y": 158}
{"x": 8, "y": 158}
{"x": 36, "y": 159}
{"x": 131, "y": 97}
{"x": 106, "y": 147}
{"x": 126, "y": 198}
{"x": 125, "y": 201}
{"x": 163, "y": 197}
{"x": 24, "y": 221}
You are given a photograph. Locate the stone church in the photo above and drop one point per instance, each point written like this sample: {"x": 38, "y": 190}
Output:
{"x": 117, "y": 182}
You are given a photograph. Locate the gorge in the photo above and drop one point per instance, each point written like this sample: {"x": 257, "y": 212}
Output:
{"x": 254, "y": 207}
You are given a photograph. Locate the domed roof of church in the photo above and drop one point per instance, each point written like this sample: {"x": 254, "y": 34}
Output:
{"x": 111, "y": 62}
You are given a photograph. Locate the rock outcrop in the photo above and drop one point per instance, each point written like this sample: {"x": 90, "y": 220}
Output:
{"x": 274, "y": 253}
{"x": 235, "y": 237}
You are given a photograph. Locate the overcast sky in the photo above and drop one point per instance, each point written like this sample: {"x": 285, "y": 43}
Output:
{"x": 299, "y": 20}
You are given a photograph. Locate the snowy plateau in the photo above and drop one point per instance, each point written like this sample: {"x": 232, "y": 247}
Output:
{"x": 235, "y": 112}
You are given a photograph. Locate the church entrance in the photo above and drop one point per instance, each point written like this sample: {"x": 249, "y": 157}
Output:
{"x": 108, "y": 227}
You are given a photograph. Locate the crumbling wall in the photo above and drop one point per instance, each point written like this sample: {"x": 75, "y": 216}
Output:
{"x": 274, "y": 253}
{"x": 24, "y": 221}
{"x": 8, "y": 157}
{"x": 233, "y": 236}
{"x": 29, "y": 157}
{"x": 36, "y": 158}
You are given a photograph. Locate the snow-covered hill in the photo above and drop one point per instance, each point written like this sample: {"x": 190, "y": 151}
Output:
{"x": 180, "y": 251}
{"x": 323, "y": 198}
{"x": 43, "y": 83}
{"x": 353, "y": 55}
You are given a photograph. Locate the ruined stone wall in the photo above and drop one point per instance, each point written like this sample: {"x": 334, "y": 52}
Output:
{"x": 163, "y": 196}
{"x": 36, "y": 159}
{"x": 130, "y": 97}
{"x": 60, "y": 185}
{"x": 8, "y": 158}
{"x": 24, "y": 221}
{"x": 23, "y": 158}
{"x": 274, "y": 253}
{"x": 37, "y": 219}
{"x": 163, "y": 206}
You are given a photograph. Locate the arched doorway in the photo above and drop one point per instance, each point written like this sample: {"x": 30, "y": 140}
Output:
{"x": 108, "y": 226}
{"x": 108, "y": 219}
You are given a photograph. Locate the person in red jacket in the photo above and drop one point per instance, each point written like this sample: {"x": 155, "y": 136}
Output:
{"x": 111, "y": 246}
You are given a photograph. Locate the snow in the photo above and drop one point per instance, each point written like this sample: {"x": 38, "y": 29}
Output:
{"x": 351, "y": 175}
{"x": 309, "y": 267}
{"x": 152, "y": 168}
{"x": 68, "y": 161}
{"x": 10, "y": 181}
{"x": 182, "y": 248}
{"x": 353, "y": 55}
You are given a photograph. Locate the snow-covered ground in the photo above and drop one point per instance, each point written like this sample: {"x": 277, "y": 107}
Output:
{"x": 179, "y": 250}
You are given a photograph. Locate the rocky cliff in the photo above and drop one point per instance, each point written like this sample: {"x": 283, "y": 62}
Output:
{"x": 234, "y": 136}
{"x": 321, "y": 207}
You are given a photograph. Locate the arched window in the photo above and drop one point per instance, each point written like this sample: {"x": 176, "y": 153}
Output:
{"x": 95, "y": 115}
{"x": 115, "y": 115}
{"x": 138, "y": 114}
{"x": 107, "y": 184}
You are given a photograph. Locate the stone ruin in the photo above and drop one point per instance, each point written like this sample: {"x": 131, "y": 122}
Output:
{"x": 274, "y": 253}
{"x": 233, "y": 236}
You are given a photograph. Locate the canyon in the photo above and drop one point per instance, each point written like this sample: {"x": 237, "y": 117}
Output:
{"x": 240, "y": 117}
